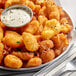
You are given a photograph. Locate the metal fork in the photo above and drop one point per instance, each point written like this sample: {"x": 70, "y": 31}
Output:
{"x": 70, "y": 67}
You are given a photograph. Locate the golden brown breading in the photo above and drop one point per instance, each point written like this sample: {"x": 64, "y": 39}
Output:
{"x": 47, "y": 55}
{"x": 1, "y": 52}
{"x": 11, "y": 2}
{"x": 30, "y": 4}
{"x": 63, "y": 21}
{"x": 38, "y": 38}
{"x": 30, "y": 42}
{"x": 2, "y": 25}
{"x": 23, "y": 55}
{"x": 52, "y": 10}
{"x": 37, "y": 9}
{"x": 39, "y": 2}
{"x": 1, "y": 33}
{"x": 12, "y": 61}
{"x": 32, "y": 27}
{"x": 42, "y": 19}
{"x": 66, "y": 28}
{"x": 47, "y": 34}
{"x": 45, "y": 45}
{"x": 34, "y": 62}
{"x": 54, "y": 25}
{"x": 59, "y": 40}
{"x": 13, "y": 39}
{"x": 42, "y": 11}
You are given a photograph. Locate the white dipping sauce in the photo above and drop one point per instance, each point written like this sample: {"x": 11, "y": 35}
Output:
{"x": 15, "y": 17}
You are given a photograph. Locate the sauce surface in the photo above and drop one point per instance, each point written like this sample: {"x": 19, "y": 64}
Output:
{"x": 15, "y": 17}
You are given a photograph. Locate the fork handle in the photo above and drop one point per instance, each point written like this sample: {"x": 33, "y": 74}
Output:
{"x": 61, "y": 72}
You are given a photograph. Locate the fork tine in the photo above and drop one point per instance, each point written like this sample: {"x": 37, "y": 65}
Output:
{"x": 74, "y": 59}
